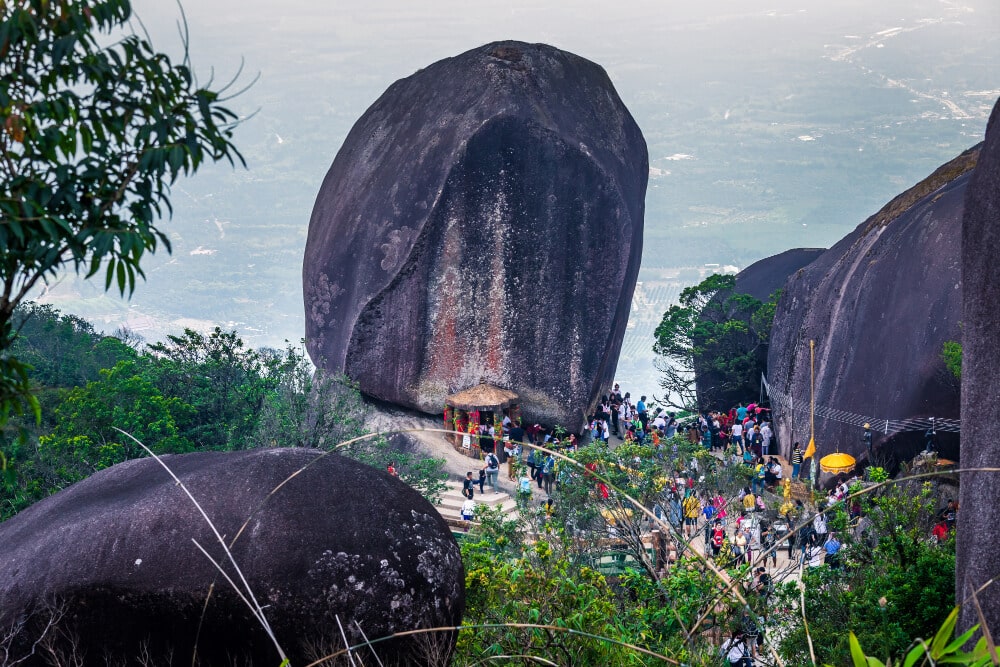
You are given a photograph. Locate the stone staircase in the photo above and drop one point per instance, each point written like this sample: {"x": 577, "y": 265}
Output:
{"x": 450, "y": 505}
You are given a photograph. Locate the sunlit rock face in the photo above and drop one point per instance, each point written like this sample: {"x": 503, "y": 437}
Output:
{"x": 114, "y": 559}
{"x": 978, "y": 560}
{"x": 880, "y": 305}
{"x": 482, "y": 221}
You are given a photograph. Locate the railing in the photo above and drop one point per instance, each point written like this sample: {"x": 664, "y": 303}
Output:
{"x": 878, "y": 425}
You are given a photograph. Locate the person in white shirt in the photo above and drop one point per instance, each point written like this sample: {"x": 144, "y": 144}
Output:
{"x": 765, "y": 433}
{"x": 737, "y": 436}
{"x": 819, "y": 525}
{"x": 735, "y": 651}
{"x": 468, "y": 509}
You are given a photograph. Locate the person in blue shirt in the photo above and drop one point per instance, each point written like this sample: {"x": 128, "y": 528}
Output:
{"x": 741, "y": 413}
{"x": 832, "y": 548}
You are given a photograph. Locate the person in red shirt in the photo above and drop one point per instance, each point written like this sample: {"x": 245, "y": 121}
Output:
{"x": 940, "y": 531}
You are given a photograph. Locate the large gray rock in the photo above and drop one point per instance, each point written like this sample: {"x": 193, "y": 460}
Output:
{"x": 482, "y": 221}
{"x": 114, "y": 554}
{"x": 880, "y": 304}
{"x": 978, "y": 559}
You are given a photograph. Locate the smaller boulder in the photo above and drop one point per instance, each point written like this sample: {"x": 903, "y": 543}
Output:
{"x": 323, "y": 541}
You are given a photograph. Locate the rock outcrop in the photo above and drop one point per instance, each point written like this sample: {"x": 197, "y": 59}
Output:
{"x": 978, "y": 560}
{"x": 765, "y": 277}
{"x": 759, "y": 280}
{"x": 482, "y": 221}
{"x": 113, "y": 557}
{"x": 880, "y": 304}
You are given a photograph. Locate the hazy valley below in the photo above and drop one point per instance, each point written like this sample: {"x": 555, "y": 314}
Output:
{"x": 768, "y": 126}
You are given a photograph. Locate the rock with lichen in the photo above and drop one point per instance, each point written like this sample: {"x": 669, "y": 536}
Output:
{"x": 977, "y": 558}
{"x": 482, "y": 222}
{"x": 322, "y": 541}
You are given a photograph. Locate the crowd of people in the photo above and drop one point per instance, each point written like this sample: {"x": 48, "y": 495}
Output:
{"x": 750, "y": 526}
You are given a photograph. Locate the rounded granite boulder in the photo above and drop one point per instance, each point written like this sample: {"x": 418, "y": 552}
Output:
{"x": 481, "y": 222}
{"x": 323, "y": 541}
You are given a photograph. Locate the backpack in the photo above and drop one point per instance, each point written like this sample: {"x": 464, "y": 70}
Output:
{"x": 492, "y": 463}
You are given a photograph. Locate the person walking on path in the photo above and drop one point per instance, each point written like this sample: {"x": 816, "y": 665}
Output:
{"x": 718, "y": 537}
{"x": 691, "y": 510}
{"x": 832, "y": 548}
{"x": 549, "y": 473}
{"x": 468, "y": 510}
{"x": 467, "y": 486}
{"x": 492, "y": 469}
{"x": 819, "y": 527}
{"x": 796, "y": 461}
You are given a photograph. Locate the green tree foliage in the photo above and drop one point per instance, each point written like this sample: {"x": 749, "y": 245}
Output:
{"x": 96, "y": 126}
{"x": 718, "y": 336}
{"x": 897, "y": 584}
{"x": 951, "y": 353}
{"x": 541, "y": 584}
{"x": 943, "y": 648}
{"x": 224, "y": 381}
{"x": 63, "y": 350}
{"x": 556, "y": 579}
{"x": 85, "y": 438}
{"x": 193, "y": 392}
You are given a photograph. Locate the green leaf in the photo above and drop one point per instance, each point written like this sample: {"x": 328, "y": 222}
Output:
{"x": 960, "y": 641}
{"x": 944, "y": 633}
{"x": 857, "y": 655}
{"x": 915, "y": 654}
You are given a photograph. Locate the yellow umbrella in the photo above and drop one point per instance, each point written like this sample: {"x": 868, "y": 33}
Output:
{"x": 836, "y": 463}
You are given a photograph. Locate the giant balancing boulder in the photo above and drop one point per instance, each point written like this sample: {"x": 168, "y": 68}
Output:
{"x": 977, "y": 558}
{"x": 482, "y": 221}
{"x": 112, "y": 559}
{"x": 880, "y": 304}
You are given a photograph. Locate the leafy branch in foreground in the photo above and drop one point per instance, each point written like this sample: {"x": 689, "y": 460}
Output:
{"x": 95, "y": 126}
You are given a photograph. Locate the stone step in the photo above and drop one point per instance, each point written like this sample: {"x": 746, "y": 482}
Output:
{"x": 450, "y": 504}
{"x": 497, "y": 500}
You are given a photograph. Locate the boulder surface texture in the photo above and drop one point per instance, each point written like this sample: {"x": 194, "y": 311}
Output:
{"x": 482, "y": 221}
{"x": 978, "y": 559}
{"x": 112, "y": 558}
{"x": 880, "y": 305}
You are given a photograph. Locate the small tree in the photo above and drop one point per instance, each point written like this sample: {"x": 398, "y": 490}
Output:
{"x": 717, "y": 337}
{"x": 95, "y": 126}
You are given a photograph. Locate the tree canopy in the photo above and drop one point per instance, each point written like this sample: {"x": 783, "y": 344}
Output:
{"x": 96, "y": 127}
{"x": 192, "y": 392}
{"x": 711, "y": 347}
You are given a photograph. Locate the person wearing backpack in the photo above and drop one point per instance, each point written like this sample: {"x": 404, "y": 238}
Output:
{"x": 549, "y": 473}
{"x": 759, "y": 473}
{"x": 492, "y": 468}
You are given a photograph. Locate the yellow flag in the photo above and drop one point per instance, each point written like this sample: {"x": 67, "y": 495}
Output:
{"x": 811, "y": 449}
